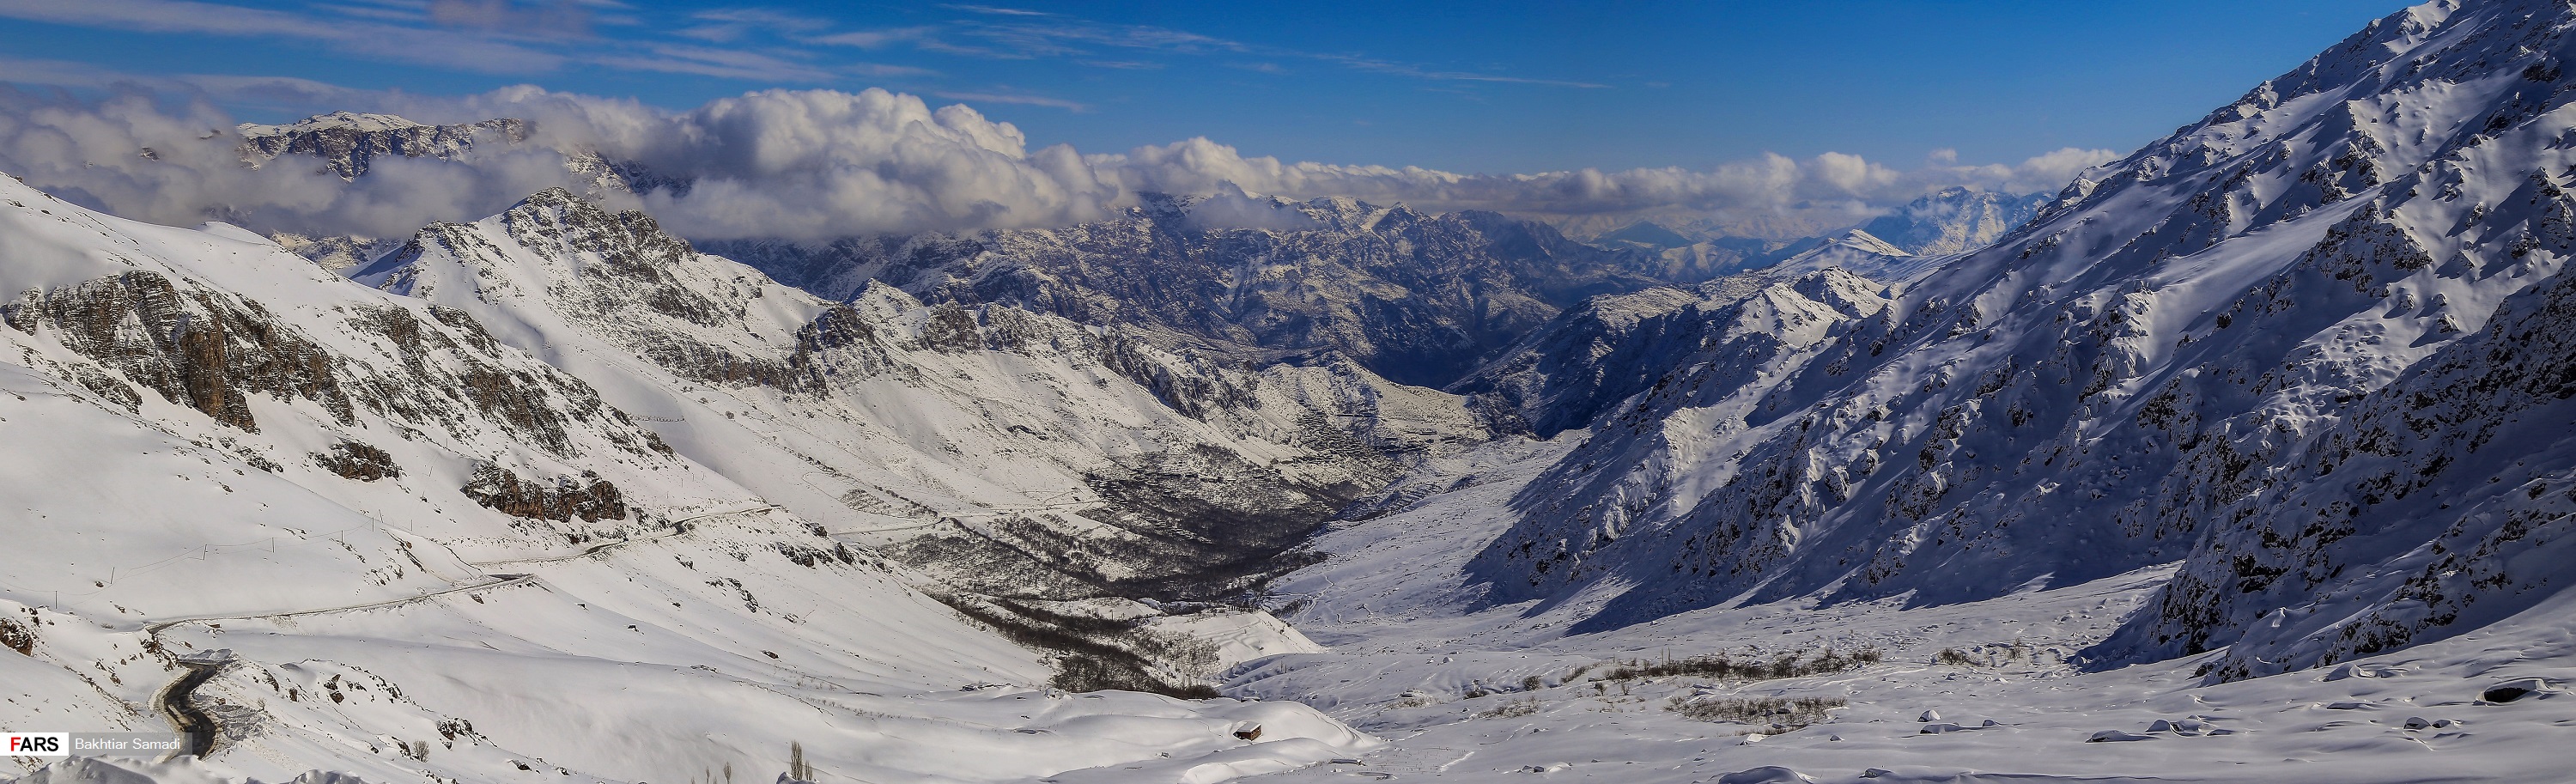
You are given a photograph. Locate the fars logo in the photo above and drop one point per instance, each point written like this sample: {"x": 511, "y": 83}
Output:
{"x": 37, "y": 744}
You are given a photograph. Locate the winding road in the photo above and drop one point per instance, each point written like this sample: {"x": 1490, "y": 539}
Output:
{"x": 173, "y": 701}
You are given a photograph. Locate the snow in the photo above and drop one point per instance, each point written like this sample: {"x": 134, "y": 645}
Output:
{"x": 372, "y": 621}
{"x": 2041, "y": 716}
{"x": 1861, "y": 253}
{"x": 356, "y": 121}
{"x": 1239, "y": 636}
{"x": 2245, "y": 461}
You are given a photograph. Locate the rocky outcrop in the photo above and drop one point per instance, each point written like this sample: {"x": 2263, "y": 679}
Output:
{"x": 359, "y": 461}
{"x": 1722, "y": 361}
{"x": 213, "y": 352}
{"x": 587, "y": 497}
{"x": 2435, "y": 505}
{"x": 197, "y": 348}
{"x": 346, "y": 143}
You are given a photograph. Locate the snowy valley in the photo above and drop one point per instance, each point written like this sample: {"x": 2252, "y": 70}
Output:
{"x": 2243, "y": 458}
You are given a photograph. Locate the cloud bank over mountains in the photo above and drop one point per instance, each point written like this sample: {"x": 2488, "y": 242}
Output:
{"x": 815, "y": 165}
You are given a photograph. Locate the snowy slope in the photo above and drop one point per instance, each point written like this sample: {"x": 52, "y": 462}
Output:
{"x": 1572, "y": 371}
{"x": 2100, "y": 392}
{"x": 431, "y": 556}
{"x": 2245, "y": 462}
{"x": 1995, "y": 690}
{"x": 2242, "y": 461}
{"x": 1021, "y": 449}
{"x": 1860, "y": 253}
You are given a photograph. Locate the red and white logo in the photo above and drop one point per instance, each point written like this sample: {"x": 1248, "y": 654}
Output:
{"x": 36, "y": 744}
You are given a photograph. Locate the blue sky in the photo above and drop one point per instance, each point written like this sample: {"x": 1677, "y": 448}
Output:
{"x": 1469, "y": 87}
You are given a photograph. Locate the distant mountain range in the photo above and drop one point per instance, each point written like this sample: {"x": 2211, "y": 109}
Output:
{"x": 2298, "y": 373}
{"x": 1419, "y": 298}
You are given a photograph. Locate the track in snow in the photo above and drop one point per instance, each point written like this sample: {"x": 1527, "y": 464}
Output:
{"x": 172, "y": 701}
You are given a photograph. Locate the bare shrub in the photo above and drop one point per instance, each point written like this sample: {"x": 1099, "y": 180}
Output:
{"x": 1768, "y": 715}
{"x": 1787, "y": 665}
{"x": 1510, "y": 710}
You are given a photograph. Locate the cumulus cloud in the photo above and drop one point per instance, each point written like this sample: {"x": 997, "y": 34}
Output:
{"x": 1772, "y": 182}
{"x": 132, "y": 155}
{"x": 813, "y": 165}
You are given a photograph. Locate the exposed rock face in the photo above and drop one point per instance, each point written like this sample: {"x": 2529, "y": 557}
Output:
{"x": 359, "y": 461}
{"x": 447, "y": 448}
{"x": 2435, "y": 505}
{"x": 1418, "y": 298}
{"x": 588, "y": 497}
{"x": 346, "y": 143}
{"x": 198, "y": 348}
{"x": 312, "y": 403}
{"x": 540, "y": 404}
{"x": 212, "y": 351}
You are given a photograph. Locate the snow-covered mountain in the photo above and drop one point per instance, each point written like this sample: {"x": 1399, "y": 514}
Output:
{"x": 1945, "y": 223}
{"x": 346, "y": 143}
{"x": 556, "y": 495}
{"x": 1954, "y": 220}
{"x": 1860, "y": 253}
{"x": 1415, "y": 297}
{"x": 1033, "y": 454}
{"x": 1592, "y": 359}
{"x": 2190, "y": 354}
{"x": 562, "y": 528}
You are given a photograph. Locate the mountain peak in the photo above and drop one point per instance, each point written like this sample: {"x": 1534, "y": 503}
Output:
{"x": 557, "y": 197}
{"x": 1954, "y": 220}
{"x": 1862, "y": 240}
{"x": 346, "y": 142}
{"x": 355, "y": 121}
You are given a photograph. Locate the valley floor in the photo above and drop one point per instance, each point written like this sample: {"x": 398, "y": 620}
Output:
{"x": 2014, "y": 702}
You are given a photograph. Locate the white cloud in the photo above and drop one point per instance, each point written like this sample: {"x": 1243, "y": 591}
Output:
{"x": 1023, "y": 100}
{"x": 1771, "y": 182}
{"x": 821, "y": 164}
